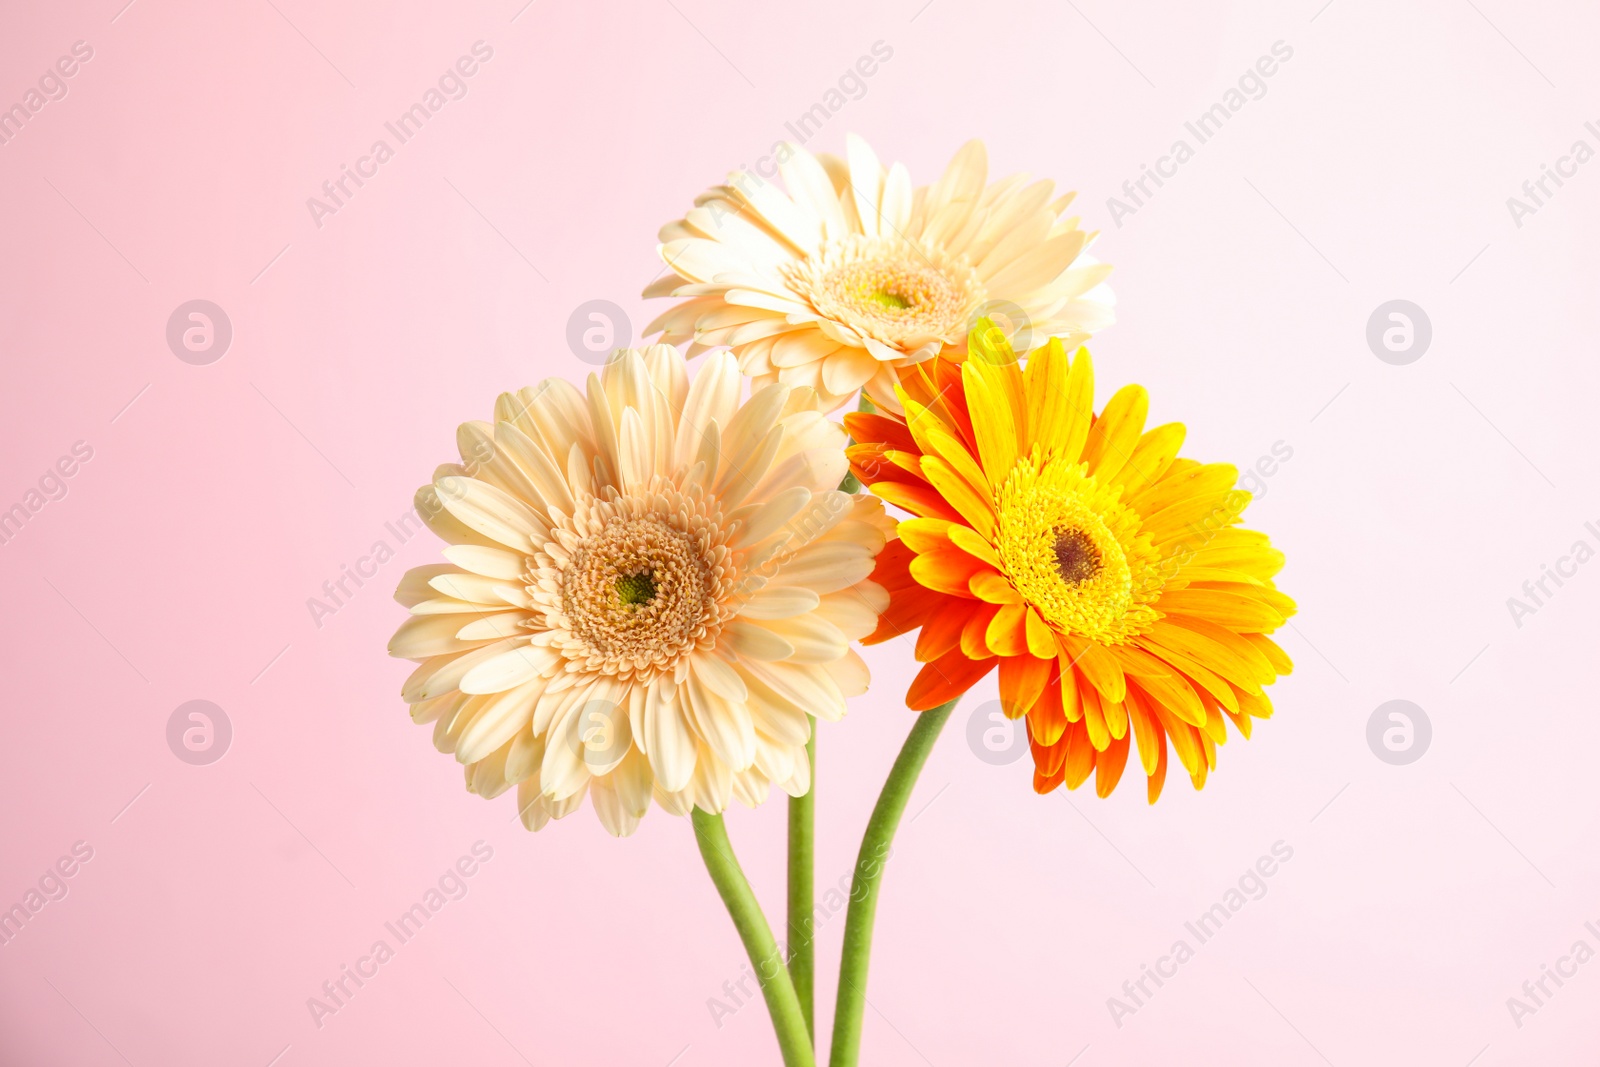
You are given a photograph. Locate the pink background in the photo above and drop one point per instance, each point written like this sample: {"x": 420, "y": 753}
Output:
{"x": 178, "y": 565}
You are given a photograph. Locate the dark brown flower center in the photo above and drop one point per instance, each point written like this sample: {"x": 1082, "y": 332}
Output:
{"x": 1077, "y": 558}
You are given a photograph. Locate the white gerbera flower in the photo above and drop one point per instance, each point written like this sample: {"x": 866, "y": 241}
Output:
{"x": 651, "y": 590}
{"x": 853, "y": 274}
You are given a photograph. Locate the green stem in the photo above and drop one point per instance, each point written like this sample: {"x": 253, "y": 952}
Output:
{"x": 875, "y": 847}
{"x": 802, "y": 862}
{"x": 793, "y": 1039}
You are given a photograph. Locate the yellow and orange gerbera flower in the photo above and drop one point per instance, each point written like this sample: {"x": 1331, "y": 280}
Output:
{"x": 1104, "y": 575}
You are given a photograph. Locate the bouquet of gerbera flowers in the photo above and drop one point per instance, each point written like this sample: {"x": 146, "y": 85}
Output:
{"x": 653, "y": 585}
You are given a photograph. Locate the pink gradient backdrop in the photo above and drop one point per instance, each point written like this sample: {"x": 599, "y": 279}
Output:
{"x": 178, "y": 565}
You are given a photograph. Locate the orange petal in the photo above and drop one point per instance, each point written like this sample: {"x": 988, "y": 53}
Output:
{"x": 969, "y": 540}
{"x": 1116, "y": 432}
{"x": 1146, "y": 731}
{"x": 1108, "y": 766}
{"x": 1080, "y": 756}
{"x": 917, "y": 499}
{"x": 947, "y": 571}
{"x": 1094, "y": 718}
{"x": 972, "y": 634}
{"x": 1071, "y": 698}
{"x": 925, "y": 535}
{"x": 1097, "y": 665}
{"x": 990, "y": 586}
{"x": 1041, "y": 638}
{"x": 1175, "y": 694}
{"x": 1043, "y": 781}
{"x": 976, "y": 510}
{"x": 944, "y": 679}
{"x": 1185, "y": 740}
{"x": 1006, "y": 635}
{"x": 1233, "y": 611}
{"x": 941, "y": 631}
{"x": 1049, "y": 758}
{"x": 868, "y": 426}
{"x": 1022, "y": 681}
{"x": 1157, "y": 777}
{"x": 1046, "y": 723}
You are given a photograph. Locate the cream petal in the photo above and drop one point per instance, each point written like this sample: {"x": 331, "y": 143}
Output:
{"x": 803, "y": 685}
{"x": 438, "y": 675}
{"x": 531, "y": 807}
{"x": 718, "y": 676}
{"x": 813, "y": 638}
{"x": 608, "y": 807}
{"x": 416, "y": 584}
{"x": 854, "y": 613}
{"x": 495, "y": 627}
{"x": 429, "y": 635}
{"x": 752, "y": 641}
{"x": 826, "y": 567}
{"x": 776, "y": 716}
{"x": 473, "y": 588}
{"x": 866, "y": 182}
{"x": 499, "y": 721}
{"x": 761, "y": 520}
{"x": 751, "y": 787}
{"x": 849, "y": 672}
{"x": 713, "y": 398}
{"x": 724, "y": 725}
{"x": 798, "y": 784}
{"x": 667, "y": 739}
{"x": 779, "y": 602}
{"x": 712, "y": 783}
{"x": 522, "y": 761}
{"x": 492, "y": 512}
{"x": 676, "y": 802}
{"x": 508, "y": 669}
{"x": 489, "y": 562}
{"x": 562, "y": 772}
{"x": 810, "y": 186}
{"x": 539, "y": 469}
{"x": 743, "y": 472}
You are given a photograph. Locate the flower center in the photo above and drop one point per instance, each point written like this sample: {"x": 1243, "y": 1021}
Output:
{"x": 1077, "y": 559}
{"x": 892, "y": 301}
{"x": 638, "y": 591}
{"x": 901, "y": 294}
{"x": 1074, "y": 551}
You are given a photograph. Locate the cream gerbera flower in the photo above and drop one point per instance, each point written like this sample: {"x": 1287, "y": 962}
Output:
{"x": 854, "y": 274}
{"x": 651, "y": 589}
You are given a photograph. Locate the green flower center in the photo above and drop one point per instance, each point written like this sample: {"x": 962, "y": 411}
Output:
{"x": 636, "y": 589}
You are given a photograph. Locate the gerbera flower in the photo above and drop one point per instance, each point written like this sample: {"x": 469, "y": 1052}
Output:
{"x": 651, "y": 589}
{"x": 853, "y": 275}
{"x": 1106, "y": 577}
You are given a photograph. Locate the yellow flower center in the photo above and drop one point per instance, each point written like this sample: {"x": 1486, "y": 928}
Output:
{"x": 1074, "y": 551}
{"x": 891, "y": 290}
